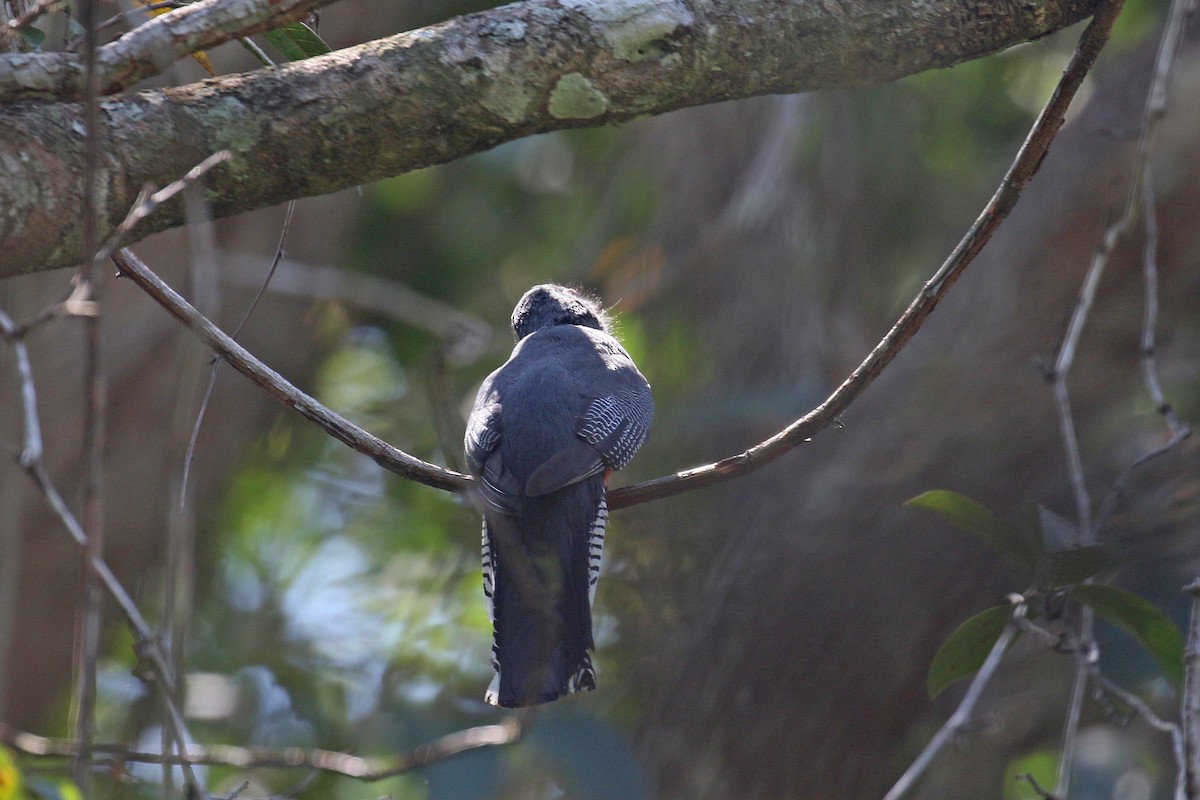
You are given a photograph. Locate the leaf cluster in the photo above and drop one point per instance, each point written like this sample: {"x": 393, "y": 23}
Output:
{"x": 1060, "y": 569}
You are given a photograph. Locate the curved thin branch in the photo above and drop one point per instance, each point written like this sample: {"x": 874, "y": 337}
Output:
{"x": 962, "y": 715}
{"x": 239, "y": 358}
{"x": 1023, "y": 168}
{"x": 366, "y": 769}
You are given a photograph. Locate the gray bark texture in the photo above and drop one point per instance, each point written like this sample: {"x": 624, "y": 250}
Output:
{"x": 442, "y": 92}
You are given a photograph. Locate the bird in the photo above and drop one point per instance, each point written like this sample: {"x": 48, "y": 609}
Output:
{"x": 548, "y": 427}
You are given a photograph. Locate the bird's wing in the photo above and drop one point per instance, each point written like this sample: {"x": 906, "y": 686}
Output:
{"x": 498, "y": 487}
{"x": 608, "y": 433}
{"x": 617, "y": 424}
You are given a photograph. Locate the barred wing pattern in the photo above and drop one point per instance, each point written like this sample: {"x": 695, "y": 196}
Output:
{"x": 616, "y": 425}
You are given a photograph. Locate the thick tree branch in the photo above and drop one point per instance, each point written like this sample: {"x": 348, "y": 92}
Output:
{"x": 145, "y": 50}
{"x": 442, "y": 92}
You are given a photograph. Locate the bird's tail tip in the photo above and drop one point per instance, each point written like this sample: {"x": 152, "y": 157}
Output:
{"x": 582, "y": 680}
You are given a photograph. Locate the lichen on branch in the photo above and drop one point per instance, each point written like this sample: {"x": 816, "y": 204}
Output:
{"x": 439, "y": 93}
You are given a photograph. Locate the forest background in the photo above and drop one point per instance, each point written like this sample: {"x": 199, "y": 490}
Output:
{"x": 766, "y": 637}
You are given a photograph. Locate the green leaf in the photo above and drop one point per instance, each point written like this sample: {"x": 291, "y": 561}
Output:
{"x": 975, "y": 519}
{"x": 1058, "y": 533}
{"x": 33, "y": 36}
{"x": 1142, "y": 620}
{"x": 297, "y": 42}
{"x": 1077, "y": 564}
{"x": 965, "y": 650}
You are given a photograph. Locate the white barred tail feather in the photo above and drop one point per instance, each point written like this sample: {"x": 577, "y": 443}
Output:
{"x": 581, "y": 674}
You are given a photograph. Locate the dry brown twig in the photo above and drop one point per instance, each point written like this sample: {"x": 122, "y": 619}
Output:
{"x": 388, "y": 457}
{"x": 1138, "y": 204}
{"x": 508, "y": 731}
{"x": 145, "y": 637}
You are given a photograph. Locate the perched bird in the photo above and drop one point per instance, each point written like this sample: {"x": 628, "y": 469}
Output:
{"x": 567, "y": 408}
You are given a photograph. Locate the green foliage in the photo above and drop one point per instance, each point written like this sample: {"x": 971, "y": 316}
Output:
{"x": 10, "y": 776}
{"x": 965, "y": 650}
{"x": 34, "y": 37}
{"x": 1050, "y": 550}
{"x": 1141, "y": 619}
{"x": 405, "y": 194}
{"x": 1042, "y": 766}
{"x": 297, "y": 42}
{"x": 44, "y": 789}
{"x": 1071, "y": 566}
{"x": 1058, "y": 562}
{"x": 974, "y": 518}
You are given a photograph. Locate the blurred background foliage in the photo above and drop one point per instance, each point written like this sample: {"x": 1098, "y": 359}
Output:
{"x": 752, "y": 252}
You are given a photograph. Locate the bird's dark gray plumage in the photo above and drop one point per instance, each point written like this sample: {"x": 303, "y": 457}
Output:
{"x": 567, "y": 407}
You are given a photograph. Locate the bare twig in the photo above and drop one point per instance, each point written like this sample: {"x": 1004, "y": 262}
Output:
{"x": 506, "y": 732}
{"x": 39, "y": 8}
{"x": 149, "y": 200}
{"x": 31, "y": 452}
{"x": 1066, "y": 426}
{"x": 1023, "y": 168}
{"x": 962, "y": 715}
{"x": 464, "y": 336}
{"x": 212, "y": 373}
{"x": 1190, "y": 710}
{"x": 1144, "y": 711}
{"x": 1139, "y": 197}
{"x": 87, "y": 643}
{"x": 1085, "y": 658}
{"x": 1137, "y": 704}
{"x": 145, "y": 637}
{"x": 243, "y": 786}
{"x": 138, "y": 10}
{"x": 1178, "y": 430}
{"x": 239, "y": 358}
{"x": 1068, "y": 642}
{"x": 1155, "y": 108}
{"x": 256, "y": 51}
{"x": 1037, "y": 787}
{"x": 1150, "y": 313}
{"x": 50, "y": 312}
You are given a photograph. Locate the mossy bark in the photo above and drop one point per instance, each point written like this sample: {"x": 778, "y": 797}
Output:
{"x": 442, "y": 92}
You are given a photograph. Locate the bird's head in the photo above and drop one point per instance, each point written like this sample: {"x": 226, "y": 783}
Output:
{"x": 551, "y": 304}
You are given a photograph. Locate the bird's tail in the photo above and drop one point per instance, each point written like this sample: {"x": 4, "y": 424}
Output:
{"x": 539, "y": 581}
